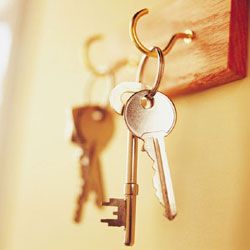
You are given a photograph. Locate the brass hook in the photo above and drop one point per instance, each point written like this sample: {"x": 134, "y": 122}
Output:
{"x": 188, "y": 35}
{"x": 86, "y": 55}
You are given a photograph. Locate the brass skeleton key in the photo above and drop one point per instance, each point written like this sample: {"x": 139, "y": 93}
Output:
{"x": 93, "y": 128}
{"x": 126, "y": 208}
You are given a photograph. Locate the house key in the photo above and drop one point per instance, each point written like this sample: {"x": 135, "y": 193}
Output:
{"x": 93, "y": 128}
{"x": 152, "y": 124}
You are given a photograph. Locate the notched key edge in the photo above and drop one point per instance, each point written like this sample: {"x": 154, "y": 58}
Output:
{"x": 168, "y": 203}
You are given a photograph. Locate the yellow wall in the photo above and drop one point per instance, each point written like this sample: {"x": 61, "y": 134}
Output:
{"x": 208, "y": 150}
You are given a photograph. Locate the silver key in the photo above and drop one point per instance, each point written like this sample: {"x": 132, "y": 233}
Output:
{"x": 152, "y": 124}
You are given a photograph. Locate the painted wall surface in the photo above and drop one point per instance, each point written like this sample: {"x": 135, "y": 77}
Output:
{"x": 208, "y": 150}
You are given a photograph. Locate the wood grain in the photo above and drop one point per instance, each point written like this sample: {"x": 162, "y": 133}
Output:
{"x": 218, "y": 55}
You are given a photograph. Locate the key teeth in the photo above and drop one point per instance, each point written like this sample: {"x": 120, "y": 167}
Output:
{"x": 113, "y": 202}
{"x": 120, "y": 213}
{"x": 113, "y": 222}
{"x": 152, "y": 146}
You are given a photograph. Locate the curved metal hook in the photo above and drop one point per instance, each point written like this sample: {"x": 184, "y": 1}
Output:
{"x": 188, "y": 35}
{"x": 86, "y": 55}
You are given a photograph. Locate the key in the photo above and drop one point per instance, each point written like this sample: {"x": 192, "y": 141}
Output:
{"x": 93, "y": 128}
{"x": 126, "y": 208}
{"x": 151, "y": 123}
{"x": 121, "y": 93}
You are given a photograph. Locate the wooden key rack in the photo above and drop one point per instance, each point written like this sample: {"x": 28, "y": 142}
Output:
{"x": 216, "y": 56}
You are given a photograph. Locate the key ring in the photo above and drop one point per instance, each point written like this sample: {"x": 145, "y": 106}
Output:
{"x": 160, "y": 72}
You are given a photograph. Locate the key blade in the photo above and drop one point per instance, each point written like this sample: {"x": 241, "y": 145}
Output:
{"x": 154, "y": 145}
{"x": 82, "y": 197}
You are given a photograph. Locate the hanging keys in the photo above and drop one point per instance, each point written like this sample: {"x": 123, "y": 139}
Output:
{"x": 149, "y": 116}
{"x": 93, "y": 128}
{"x": 152, "y": 124}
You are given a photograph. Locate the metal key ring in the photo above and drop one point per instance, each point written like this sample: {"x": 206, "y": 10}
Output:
{"x": 160, "y": 72}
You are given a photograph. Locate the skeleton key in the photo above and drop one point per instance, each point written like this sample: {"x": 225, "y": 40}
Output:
{"x": 93, "y": 128}
{"x": 152, "y": 124}
{"x": 126, "y": 209}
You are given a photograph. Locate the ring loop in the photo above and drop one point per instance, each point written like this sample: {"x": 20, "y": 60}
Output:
{"x": 160, "y": 72}
{"x": 188, "y": 35}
